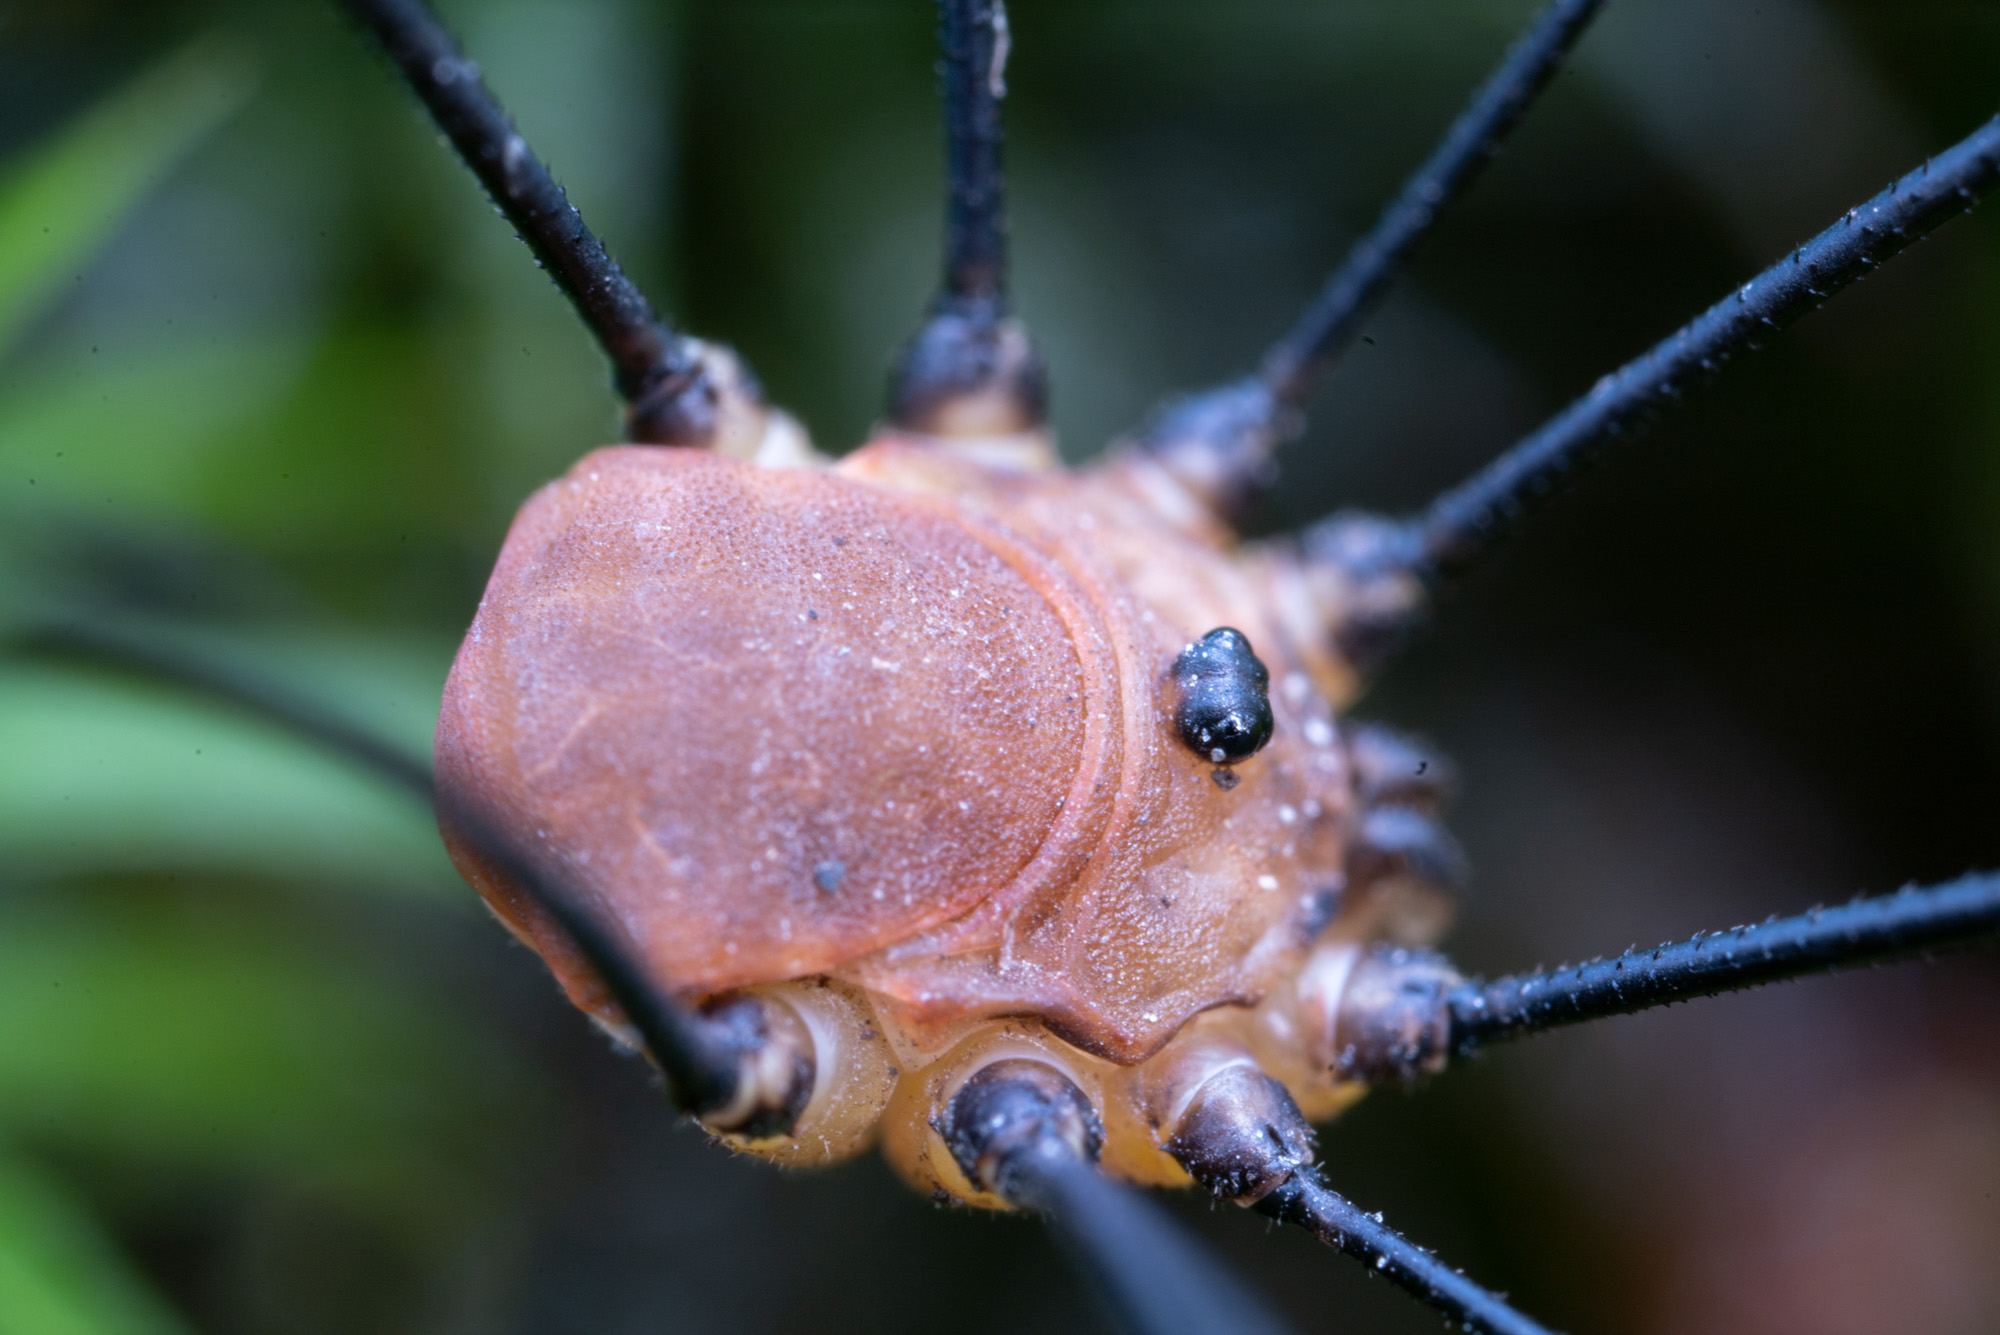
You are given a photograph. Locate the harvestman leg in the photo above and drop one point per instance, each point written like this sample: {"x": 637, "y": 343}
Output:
{"x": 969, "y": 368}
{"x": 1220, "y": 441}
{"x": 1437, "y": 1015}
{"x": 677, "y": 391}
{"x": 1470, "y": 520}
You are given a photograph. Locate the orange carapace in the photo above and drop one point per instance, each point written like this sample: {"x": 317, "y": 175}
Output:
{"x": 893, "y": 742}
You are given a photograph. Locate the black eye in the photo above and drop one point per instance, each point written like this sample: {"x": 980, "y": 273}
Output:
{"x": 1224, "y": 700}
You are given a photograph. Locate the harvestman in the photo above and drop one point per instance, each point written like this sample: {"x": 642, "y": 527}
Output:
{"x": 817, "y": 1002}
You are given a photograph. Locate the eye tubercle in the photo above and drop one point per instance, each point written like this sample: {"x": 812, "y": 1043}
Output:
{"x": 1222, "y": 697}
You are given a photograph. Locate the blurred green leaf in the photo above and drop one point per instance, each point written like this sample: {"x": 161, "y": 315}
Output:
{"x": 144, "y": 435}
{"x": 59, "y": 1275}
{"x": 287, "y": 441}
{"x": 106, "y": 775}
{"x": 163, "y": 1034}
{"x": 63, "y": 203}
{"x": 363, "y": 446}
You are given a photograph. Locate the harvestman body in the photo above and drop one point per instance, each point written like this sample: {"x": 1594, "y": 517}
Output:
{"x": 1002, "y": 813}
{"x": 901, "y": 741}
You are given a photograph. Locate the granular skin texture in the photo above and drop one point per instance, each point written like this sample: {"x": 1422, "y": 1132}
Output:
{"x": 906, "y": 722}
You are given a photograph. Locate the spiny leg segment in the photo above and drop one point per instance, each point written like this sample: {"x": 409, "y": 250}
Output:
{"x": 1299, "y": 361}
{"x": 1863, "y": 931}
{"x": 969, "y": 370}
{"x": 1424, "y": 1014}
{"x": 1244, "y": 1139}
{"x": 1473, "y": 518}
{"x": 1304, "y": 1200}
{"x": 1220, "y": 441}
{"x": 676, "y": 390}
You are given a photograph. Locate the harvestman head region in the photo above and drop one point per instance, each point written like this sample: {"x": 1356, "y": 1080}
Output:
{"x": 1008, "y": 817}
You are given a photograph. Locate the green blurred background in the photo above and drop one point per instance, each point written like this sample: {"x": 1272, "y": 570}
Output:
{"x": 273, "y": 377}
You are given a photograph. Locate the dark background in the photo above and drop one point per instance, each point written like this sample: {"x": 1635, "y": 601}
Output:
{"x": 297, "y": 1083}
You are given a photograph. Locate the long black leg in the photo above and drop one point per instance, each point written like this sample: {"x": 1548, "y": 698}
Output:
{"x": 670, "y": 391}
{"x": 1865, "y": 931}
{"x": 969, "y": 370}
{"x": 1473, "y": 518}
{"x": 701, "y": 1057}
{"x": 1304, "y": 1200}
{"x": 1243, "y": 1138}
{"x": 975, "y": 39}
{"x": 1224, "y": 436}
{"x": 1405, "y": 1014}
{"x": 1297, "y": 362}
{"x": 1021, "y": 1130}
